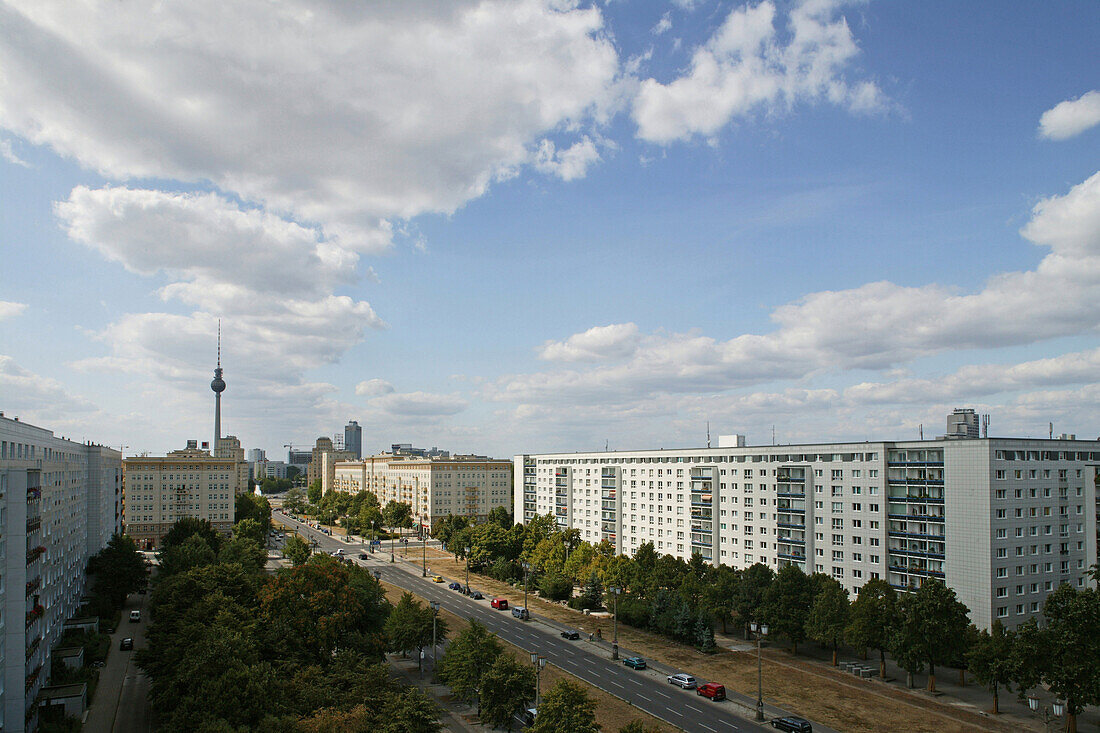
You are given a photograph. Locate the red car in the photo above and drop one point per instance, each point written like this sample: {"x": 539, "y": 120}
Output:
{"x": 500, "y": 604}
{"x": 712, "y": 690}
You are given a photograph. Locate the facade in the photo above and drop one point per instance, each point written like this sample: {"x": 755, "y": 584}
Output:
{"x": 255, "y": 455}
{"x": 353, "y": 439}
{"x": 324, "y": 447}
{"x": 434, "y": 487}
{"x": 73, "y": 505}
{"x": 184, "y": 483}
{"x": 1002, "y": 521}
{"x": 272, "y": 469}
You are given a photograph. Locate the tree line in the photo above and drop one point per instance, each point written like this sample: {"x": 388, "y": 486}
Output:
{"x": 925, "y": 629}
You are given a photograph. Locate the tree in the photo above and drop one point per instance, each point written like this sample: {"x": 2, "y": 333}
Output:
{"x": 786, "y": 603}
{"x": 749, "y": 603}
{"x": 704, "y": 634}
{"x": 397, "y": 514}
{"x": 501, "y": 517}
{"x": 467, "y": 659}
{"x": 250, "y": 529}
{"x": 184, "y": 527}
{"x": 410, "y": 712}
{"x": 1073, "y": 648}
{"x": 505, "y": 688}
{"x": 722, "y": 594}
{"x": 245, "y": 552}
{"x": 828, "y": 616}
{"x": 1028, "y": 656}
{"x": 932, "y": 628}
{"x": 990, "y": 660}
{"x": 293, "y": 501}
{"x": 194, "y": 552}
{"x": 556, "y": 586}
{"x": 119, "y": 570}
{"x": 592, "y": 596}
{"x": 314, "y": 491}
{"x": 250, "y": 506}
{"x": 296, "y": 549}
{"x": 871, "y": 619}
{"x": 409, "y": 626}
{"x": 566, "y": 707}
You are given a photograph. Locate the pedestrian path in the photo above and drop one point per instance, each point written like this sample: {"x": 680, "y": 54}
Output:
{"x": 457, "y": 716}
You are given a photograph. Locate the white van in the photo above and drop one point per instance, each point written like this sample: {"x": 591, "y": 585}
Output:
{"x": 135, "y": 616}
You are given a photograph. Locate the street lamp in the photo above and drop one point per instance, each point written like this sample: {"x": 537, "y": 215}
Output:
{"x": 466, "y": 590}
{"x": 526, "y": 570}
{"x": 761, "y": 630}
{"x": 393, "y": 536}
{"x": 424, "y": 553}
{"x": 615, "y": 591}
{"x": 539, "y": 663}
{"x": 1048, "y": 714}
{"x": 435, "y": 613}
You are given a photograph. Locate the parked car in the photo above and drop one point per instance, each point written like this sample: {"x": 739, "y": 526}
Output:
{"x": 681, "y": 680}
{"x": 476, "y": 595}
{"x": 634, "y": 662}
{"x": 500, "y": 604}
{"x": 526, "y": 717}
{"x": 793, "y": 724}
{"x": 126, "y": 644}
{"x": 521, "y": 613}
{"x": 455, "y": 586}
{"x": 437, "y": 579}
{"x": 135, "y": 617}
{"x": 338, "y": 553}
{"x": 713, "y": 690}
{"x": 573, "y": 635}
{"x": 364, "y": 556}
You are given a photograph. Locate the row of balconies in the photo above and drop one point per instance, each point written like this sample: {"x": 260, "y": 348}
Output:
{"x": 914, "y": 570}
{"x": 34, "y": 614}
{"x": 791, "y": 556}
{"x": 916, "y": 499}
{"x": 918, "y": 535}
{"x": 35, "y": 553}
{"x": 33, "y": 585}
{"x": 909, "y": 552}
{"x": 34, "y": 524}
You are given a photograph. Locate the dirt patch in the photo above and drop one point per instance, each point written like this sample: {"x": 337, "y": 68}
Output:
{"x": 794, "y": 684}
{"x": 611, "y": 712}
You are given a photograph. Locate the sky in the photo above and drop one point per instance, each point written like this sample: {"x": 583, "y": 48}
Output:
{"x": 520, "y": 226}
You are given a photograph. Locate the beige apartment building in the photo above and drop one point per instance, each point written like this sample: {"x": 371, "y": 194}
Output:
{"x": 184, "y": 483}
{"x": 434, "y": 487}
{"x": 324, "y": 450}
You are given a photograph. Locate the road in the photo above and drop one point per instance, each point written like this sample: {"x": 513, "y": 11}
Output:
{"x": 121, "y": 705}
{"x": 647, "y": 690}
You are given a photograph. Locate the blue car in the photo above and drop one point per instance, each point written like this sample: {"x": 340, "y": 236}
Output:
{"x": 634, "y": 662}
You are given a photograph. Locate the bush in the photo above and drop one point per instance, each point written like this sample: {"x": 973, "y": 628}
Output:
{"x": 556, "y": 587}
{"x": 507, "y": 571}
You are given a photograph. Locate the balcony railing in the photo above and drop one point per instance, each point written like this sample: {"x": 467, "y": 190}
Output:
{"x": 789, "y": 556}
{"x": 918, "y": 535}
{"x": 916, "y": 553}
{"x": 916, "y": 571}
{"x": 916, "y": 517}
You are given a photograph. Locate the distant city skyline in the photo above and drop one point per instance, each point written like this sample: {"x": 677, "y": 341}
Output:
{"x": 569, "y": 226}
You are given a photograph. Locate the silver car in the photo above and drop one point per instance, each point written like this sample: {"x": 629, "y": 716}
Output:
{"x": 686, "y": 681}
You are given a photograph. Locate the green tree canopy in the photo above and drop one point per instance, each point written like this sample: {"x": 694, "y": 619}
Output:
{"x": 467, "y": 659}
{"x": 749, "y": 602}
{"x": 119, "y": 570}
{"x": 194, "y": 552}
{"x": 409, "y": 626}
{"x": 786, "y": 604}
{"x": 871, "y": 619}
{"x": 296, "y": 549}
{"x": 184, "y": 527}
{"x": 1072, "y": 648}
{"x": 245, "y": 552}
{"x": 505, "y": 688}
{"x": 990, "y": 660}
{"x": 566, "y": 707}
{"x": 828, "y": 615}
{"x": 314, "y": 491}
{"x": 257, "y": 508}
{"x": 250, "y": 529}
{"x": 931, "y": 629}
{"x": 397, "y": 514}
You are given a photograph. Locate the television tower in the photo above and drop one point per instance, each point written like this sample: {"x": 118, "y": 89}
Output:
{"x": 218, "y": 385}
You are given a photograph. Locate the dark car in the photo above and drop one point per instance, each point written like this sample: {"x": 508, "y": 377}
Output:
{"x": 455, "y": 586}
{"x": 476, "y": 595}
{"x": 570, "y": 635}
{"x": 364, "y": 556}
{"x": 126, "y": 644}
{"x": 793, "y": 724}
{"x": 634, "y": 662}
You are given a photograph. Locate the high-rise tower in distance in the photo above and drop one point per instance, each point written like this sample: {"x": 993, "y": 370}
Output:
{"x": 218, "y": 385}
{"x": 353, "y": 438}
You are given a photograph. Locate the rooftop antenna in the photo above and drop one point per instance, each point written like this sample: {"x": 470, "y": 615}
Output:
{"x": 920, "y": 428}
{"x": 708, "y": 433}
{"x": 606, "y": 443}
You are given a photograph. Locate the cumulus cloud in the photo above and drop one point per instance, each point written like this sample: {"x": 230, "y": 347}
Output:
{"x": 374, "y": 388}
{"x": 663, "y": 25}
{"x": 596, "y": 344}
{"x": 35, "y": 398}
{"x": 568, "y": 164}
{"x": 9, "y": 155}
{"x": 876, "y": 326}
{"x": 343, "y": 114}
{"x": 420, "y": 404}
{"x": 1070, "y": 118}
{"x": 11, "y": 309}
{"x": 748, "y": 65}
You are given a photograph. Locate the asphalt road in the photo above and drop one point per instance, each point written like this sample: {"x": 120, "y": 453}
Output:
{"x": 121, "y": 705}
{"x": 647, "y": 690}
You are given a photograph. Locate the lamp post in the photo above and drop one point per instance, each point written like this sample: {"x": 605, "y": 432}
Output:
{"x": 526, "y": 569}
{"x": 761, "y": 630}
{"x": 424, "y": 554}
{"x": 435, "y": 613}
{"x": 539, "y": 663}
{"x": 393, "y": 536}
{"x": 466, "y": 590}
{"x": 405, "y": 546}
{"x": 615, "y": 591}
{"x": 1047, "y": 714}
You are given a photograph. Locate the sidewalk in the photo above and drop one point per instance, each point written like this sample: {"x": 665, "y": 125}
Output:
{"x": 457, "y": 716}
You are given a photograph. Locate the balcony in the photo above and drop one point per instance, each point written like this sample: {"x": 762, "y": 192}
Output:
{"x": 789, "y": 556}
{"x": 33, "y": 586}
{"x": 916, "y": 571}
{"x": 35, "y": 554}
{"x": 790, "y": 494}
{"x": 34, "y": 494}
{"x": 916, "y": 535}
{"x": 916, "y": 517}
{"x": 788, "y": 525}
{"x": 701, "y": 543}
{"x": 790, "y": 540}
{"x": 916, "y": 553}
{"x": 34, "y": 524}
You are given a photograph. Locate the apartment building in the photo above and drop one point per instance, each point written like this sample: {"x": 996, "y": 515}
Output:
{"x": 73, "y": 505}
{"x": 324, "y": 448}
{"x": 184, "y": 483}
{"x": 1002, "y": 521}
{"x": 434, "y": 487}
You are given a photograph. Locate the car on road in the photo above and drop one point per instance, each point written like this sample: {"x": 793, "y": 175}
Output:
{"x": 437, "y": 579}
{"x": 793, "y": 724}
{"x": 364, "y": 556}
{"x": 681, "y": 680}
{"x": 126, "y": 644}
{"x": 500, "y": 604}
{"x": 455, "y": 586}
{"x": 713, "y": 690}
{"x": 634, "y": 662}
{"x": 99, "y": 664}
{"x": 135, "y": 617}
{"x": 570, "y": 635}
{"x": 337, "y": 553}
{"x": 476, "y": 595}
{"x": 521, "y": 613}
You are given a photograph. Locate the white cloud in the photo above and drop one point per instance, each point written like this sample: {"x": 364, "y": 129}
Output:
{"x": 1071, "y": 117}
{"x": 11, "y": 309}
{"x": 876, "y": 326}
{"x": 347, "y": 115}
{"x": 37, "y": 399}
{"x": 568, "y": 164}
{"x": 596, "y": 344}
{"x": 374, "y": 388}
{"x": 420, "y": 404}
{"x": 663, "y": 25}
{"x": 9, "y": 155}
{"x": 748, "y": 65}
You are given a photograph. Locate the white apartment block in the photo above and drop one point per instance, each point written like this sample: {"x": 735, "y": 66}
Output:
{"x": 1002, "y": 521}
{"x": 434, "y": 487}
{"x": 72, "y": 507}
{"x": 184, "y": 483}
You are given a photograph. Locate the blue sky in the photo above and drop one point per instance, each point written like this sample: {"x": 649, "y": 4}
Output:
{"x": 523, "y": 226}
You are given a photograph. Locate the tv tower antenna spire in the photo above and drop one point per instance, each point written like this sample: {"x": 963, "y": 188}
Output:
{"x": 218, "y": 385}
